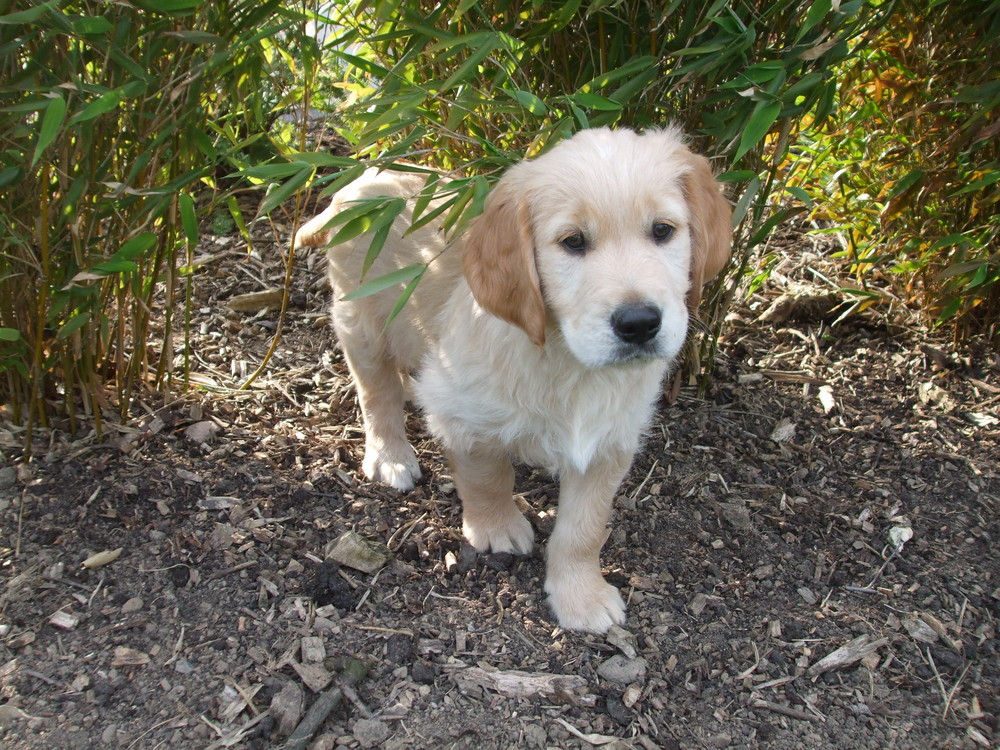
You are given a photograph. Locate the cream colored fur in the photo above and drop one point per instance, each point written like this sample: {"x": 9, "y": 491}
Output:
{"x": 517, "y": 339}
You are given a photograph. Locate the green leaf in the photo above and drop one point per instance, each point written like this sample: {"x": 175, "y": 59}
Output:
{"x": 631, "y": 68}
{"x": 72, "y": 325}
{"x": 379, "y": 235}
{"x": 595, "y": 101}
{"x": 989, "y": 179}
{"x": 9, "y": 175}
{"x": 192, "y": 36}
{"x": 761, "y": 120}
{"x": 427, "y": 193}
{"x": 31, "y": 15}
{"x": 113, "y": 266}
{"x": 280, "y": 194}
{"x": 135, "y": 246}
{"x": 274, "y": 172}
{"x": 52, "y": 121}
{"x": 189, "y": 218}
{"x": 529, "y": 101}
{"x": 465, "y": 70}
{"x": 381, "y": 283}
{"x": 380, "y": 212}
{"x": 10, "y": 334}
{"x": 817, "y": 11}
{"x": 801, "y": 194}
{"x": 88, "y": 25}
{"x": 905, "y": 183}
{"x": 742, "y": 206}
{"x": 97, "y": 107}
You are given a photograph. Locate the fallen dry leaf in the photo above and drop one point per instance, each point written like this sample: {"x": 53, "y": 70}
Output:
{"x": 100, "y": 559}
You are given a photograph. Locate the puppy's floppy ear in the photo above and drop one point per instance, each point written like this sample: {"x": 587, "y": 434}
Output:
{"x": 498, "y": 259}
{"x": 711, "y": 225}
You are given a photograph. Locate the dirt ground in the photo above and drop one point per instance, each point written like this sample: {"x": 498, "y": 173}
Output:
{"x": 807, "y": 554}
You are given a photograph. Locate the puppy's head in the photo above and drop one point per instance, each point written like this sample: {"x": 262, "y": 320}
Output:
{"x": 606, "y": 239}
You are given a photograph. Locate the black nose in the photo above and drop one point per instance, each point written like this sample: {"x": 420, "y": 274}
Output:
{"x": 636, "y": 323}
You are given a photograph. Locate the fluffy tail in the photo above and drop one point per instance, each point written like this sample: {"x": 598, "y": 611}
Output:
{"x": 314, "y": 233}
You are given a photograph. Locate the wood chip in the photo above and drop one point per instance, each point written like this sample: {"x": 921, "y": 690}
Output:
{"x": 783, "y": 431}
{"x": 623, "y": 640}
{"x": 847, "y": 655}
{"x": 354, "y": 551}
{"x": 591, "y": 738}
{"x": 286, "y": 708}
{"x": 128, "y": 657}
{"x": 517, "y": 684}
{"x": 64, "y": 620}
{"x": 313, "y": 650}
{"x": 315, "y": 676}
{"x": 269, "y": 299}
{"x": 920, "y": 630}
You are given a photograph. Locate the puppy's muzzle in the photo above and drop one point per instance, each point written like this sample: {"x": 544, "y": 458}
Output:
{"x": 636, "y": 323}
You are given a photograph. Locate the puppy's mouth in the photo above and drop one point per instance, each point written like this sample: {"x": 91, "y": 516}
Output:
{"x": 625, "y": 353}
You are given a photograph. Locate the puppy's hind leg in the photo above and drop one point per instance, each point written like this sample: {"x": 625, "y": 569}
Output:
{"x": 389, "y": 457}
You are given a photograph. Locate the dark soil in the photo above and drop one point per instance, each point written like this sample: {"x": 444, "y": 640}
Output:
{"x": 752, "y": 538}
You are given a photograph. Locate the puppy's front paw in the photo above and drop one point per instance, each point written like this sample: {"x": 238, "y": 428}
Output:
{"x": 591, "y": 605}
{"x": 398, "y": 468}
{"x": 507, "y": 532}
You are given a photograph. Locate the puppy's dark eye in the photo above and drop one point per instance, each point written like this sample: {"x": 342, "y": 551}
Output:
{"x": 576, "y": 243}
{"x": 662, "y": 231}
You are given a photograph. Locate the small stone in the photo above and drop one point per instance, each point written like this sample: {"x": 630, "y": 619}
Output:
{"x": 109, "y": 735}
{"x": 133, "y": 605}
{"x": 183, "y": 666}
{"x": 202, "y": 432}
{"x": 622, "y": 670}
{"x": 8, "y": 477}
{"x": 326, "y": 741}
{"x": 10, "y": 714}
{"x": 535, "y": 736}
{"x": 422, "y": 673}
{"x": 370, "y": 732}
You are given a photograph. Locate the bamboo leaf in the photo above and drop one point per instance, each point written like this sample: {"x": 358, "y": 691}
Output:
{"x": 280, "y": 194}
{"x": 189, "y": 218}
{"x": 529, "y": 101}
{"x": 381, "y": 283}
{"x": 31, "y": 15}
{"x": 52, "y": 120}
{"x": 97, "y": 107}
{"x": 761, "y": 120}
{"x": 72, "y": 325}
{"x": 595, "y": 101}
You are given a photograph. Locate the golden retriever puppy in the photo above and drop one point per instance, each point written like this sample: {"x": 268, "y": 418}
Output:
{"x": 542, "y": 337}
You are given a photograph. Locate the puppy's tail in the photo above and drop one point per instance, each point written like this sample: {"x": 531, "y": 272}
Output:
{"x": 316, "y": 232}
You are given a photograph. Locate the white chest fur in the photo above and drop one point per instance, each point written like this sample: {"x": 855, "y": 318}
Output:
{"x": 486, "y": 383}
